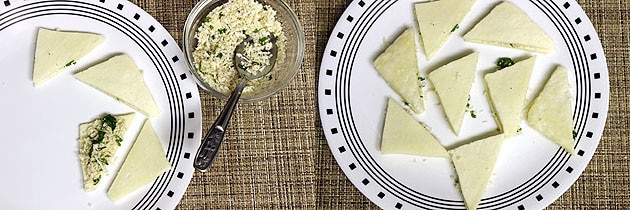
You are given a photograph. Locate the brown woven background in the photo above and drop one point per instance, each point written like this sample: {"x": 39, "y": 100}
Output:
{"x": 275, "y": 155}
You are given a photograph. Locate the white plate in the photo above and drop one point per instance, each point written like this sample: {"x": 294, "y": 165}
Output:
{"x": 39, "y": 126}
{"x": 531, "y": 171}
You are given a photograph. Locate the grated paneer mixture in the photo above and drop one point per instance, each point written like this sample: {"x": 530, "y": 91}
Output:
{"x": 98, "y": 142}
{"x": 223, "y": 29}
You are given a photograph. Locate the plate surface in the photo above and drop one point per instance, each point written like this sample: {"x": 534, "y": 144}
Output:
{"x": 39, "y": 126}
{"x": 531, "y": 171}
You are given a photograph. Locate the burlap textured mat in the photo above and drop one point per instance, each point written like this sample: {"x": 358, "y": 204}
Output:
{"x": 276, "y": 157}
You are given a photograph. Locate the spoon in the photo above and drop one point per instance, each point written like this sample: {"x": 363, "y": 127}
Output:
{"x": 211, "y": 142}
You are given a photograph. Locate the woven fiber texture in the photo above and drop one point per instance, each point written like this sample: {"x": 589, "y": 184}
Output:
{"x": 275, "y": 155}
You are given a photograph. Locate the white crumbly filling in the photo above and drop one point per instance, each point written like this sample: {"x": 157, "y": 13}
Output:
{"x": 97, "y": 146}
{"x": 223, "y": 29}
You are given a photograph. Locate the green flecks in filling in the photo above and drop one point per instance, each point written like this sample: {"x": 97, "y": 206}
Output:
{"x": 110, "y": 121}
{"x": 72, "y": 62}
{"x": 263, "y": 40}
{"x": 455, "y": 28}
{"x": 504, "y": 62}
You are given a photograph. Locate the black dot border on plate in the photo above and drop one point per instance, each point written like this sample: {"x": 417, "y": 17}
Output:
{"x": 340, "y": 35}
{"x": 329, "y": 72}
{"x": 566, "y": 5}
{"x": 350, "y": 18}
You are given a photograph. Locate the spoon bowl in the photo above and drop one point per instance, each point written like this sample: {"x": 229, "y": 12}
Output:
{"x": 212, "y": 141}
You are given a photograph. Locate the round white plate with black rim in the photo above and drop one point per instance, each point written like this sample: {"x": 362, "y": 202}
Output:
{"x": 39, "y": 126}
{"x": 531, "y": 171}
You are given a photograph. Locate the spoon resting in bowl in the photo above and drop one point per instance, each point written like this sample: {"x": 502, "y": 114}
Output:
{"x": 247, "y": 70}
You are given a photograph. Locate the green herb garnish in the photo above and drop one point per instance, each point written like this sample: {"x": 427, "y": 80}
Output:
{"x": 455, "y": 28}
{"x": 110, "y": 121}
{"x": 72, "y": 62}
{"x": 118, "y": 140}
{"x": 504, "y": 62}
{"x": 103, "y": 160}
{"x": 90, "y": 151}
{"x": 99, "y": 137}
{"x": 97, "y": 180}
{"x": 263, "y": 40}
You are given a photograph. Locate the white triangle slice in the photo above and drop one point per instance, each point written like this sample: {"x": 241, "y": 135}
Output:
{"x": 474, "y": 163}
{"x": 506, "y": 90}
{"x": 120, "y": 78}
{"x": 551, "y": 113}
{"x": 56, "y": 50}
{"x": 402, "y": 134}
{"x": 508, "y": 26}
{"x": 437, "y": 20}
{"x": 398, "y": 65}
{"x": 96, "y": 157}
{"x": 452, "y": 83}
{"x": 145, "y": 162}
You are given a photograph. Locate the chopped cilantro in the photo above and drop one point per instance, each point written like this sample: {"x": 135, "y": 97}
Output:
{"x": 72, "y": 62}
{"x": 504, "y": 62}
{"x": 97, "y": 180}
{"x": 110, "y": 121}
{"x": 263, "y": 40}
{"x": 99, "y": 137}
{"x": 118, "y": 140}
{"x": 104, "y": 160}
{"x": 455, "y": 28}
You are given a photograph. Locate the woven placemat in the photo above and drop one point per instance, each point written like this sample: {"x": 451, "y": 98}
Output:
{"x": 275, "y": 154}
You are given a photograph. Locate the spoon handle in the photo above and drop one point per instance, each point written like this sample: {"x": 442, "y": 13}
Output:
{"x": 212, "y": 141}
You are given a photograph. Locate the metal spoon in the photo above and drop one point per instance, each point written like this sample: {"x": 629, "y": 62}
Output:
{"x": 211, "y": 142}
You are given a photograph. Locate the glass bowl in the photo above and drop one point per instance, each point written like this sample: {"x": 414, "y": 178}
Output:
{"x": 284, "y": 71}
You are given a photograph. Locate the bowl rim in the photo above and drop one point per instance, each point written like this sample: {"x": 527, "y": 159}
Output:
{"x": 188, "y": 29}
